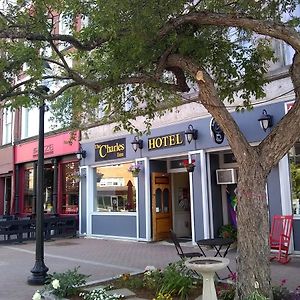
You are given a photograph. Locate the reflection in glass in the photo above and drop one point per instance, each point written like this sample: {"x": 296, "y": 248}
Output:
{"x": 28, "y": 193}
{"x": 166, "y": 200}
{"x": 158, "y": 197}
{"x": 48, "y": 189}
{"x": 114, "y": 189}
{"x": 70, "y": 189}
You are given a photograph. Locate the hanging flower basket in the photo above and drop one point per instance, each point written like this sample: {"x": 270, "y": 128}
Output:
{"x": 135, "y": 169}
{"x": 135, "y": 173}
{"x": 190, "y": 166}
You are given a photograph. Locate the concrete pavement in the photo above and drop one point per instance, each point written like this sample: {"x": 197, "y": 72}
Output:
{"x": 102, "y": 259}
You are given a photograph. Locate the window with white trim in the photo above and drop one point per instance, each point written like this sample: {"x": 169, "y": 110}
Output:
{"x": 7, "y": 126}
{"x": 114, "y": 189}
{"x": 30, "y": 121}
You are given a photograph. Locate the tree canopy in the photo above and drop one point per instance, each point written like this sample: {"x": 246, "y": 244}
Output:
{"x": 149, "y": 53}
{"x": 114, "y": 43}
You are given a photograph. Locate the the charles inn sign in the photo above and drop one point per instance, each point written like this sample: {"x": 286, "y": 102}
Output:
{"x": 110, "y": 150}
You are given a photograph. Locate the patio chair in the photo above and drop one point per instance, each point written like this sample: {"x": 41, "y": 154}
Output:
{"x": 179, "y": 250}
{"x": 281, "y": 229}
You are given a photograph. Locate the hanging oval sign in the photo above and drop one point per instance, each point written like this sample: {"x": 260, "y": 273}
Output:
{"x": 216, "y": 131}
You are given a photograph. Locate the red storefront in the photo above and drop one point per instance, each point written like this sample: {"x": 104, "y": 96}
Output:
{"x": 6, "y": 174}
{"x": 61, "y": 181}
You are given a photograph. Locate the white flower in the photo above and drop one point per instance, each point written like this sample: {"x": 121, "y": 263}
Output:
{"x": 256, "y": 285}
{"x": 55, "y": 284}
{"x": 150, "y": 268}
{"x": 37, "y": 296}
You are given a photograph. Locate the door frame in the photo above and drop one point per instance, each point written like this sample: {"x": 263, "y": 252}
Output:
{"x": 153, "y": 204}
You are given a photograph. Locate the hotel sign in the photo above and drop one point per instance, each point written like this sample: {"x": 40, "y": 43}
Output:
{"x": 110, "y": 150}
{"x": 166, "y": 141}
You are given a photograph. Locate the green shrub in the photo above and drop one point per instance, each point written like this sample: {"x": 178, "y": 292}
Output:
{"x": 226, "y": 292}
{"x": 228, "y": 231}
{"x": 65, "y": 284}
{"x": 135, "y": 283}
{"x": 256, "y": 296}
{"x": 153, "y": 279}
{"x": 175, "y": 281}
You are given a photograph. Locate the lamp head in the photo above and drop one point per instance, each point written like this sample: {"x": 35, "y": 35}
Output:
{"x": 191, "y": 133}
{"x": 137, "y": 144}
{"x": 81, "y": 154}
{"x": 265, "y": 120}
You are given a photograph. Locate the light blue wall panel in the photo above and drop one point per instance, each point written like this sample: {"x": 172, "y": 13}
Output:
{"x": 124, "y": 226}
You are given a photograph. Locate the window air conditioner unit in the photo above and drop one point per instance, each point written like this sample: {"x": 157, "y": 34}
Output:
{"x": 226, "y": 176}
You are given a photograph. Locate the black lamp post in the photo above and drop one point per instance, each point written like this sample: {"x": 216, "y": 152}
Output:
{"x": 39, "y": 270}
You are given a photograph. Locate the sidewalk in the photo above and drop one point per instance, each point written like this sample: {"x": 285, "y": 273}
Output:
{"x": 102, "y": 259}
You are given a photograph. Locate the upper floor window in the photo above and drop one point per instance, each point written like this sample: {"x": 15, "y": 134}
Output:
{"x": 287, "y": 51}
{"x": 128, "y": 97}
{"x": 65, "y": 28}
{"x": 288, "y": 54}
{"x": 64, "y": 24}
{"x": 7, "y": 126}
{"x": 30, "y": 119}
{"x": 84, "y": 21}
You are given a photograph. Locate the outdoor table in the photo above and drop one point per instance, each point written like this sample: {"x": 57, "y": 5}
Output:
{"x": 217, "y": 244}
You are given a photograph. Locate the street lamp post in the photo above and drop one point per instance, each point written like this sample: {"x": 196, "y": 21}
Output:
{"x": 39, "y": 270}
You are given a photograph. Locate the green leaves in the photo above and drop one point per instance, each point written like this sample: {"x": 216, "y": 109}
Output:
{"x": 117, "y": 43}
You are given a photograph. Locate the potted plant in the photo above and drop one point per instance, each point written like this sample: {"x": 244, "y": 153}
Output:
{"x": 190, "y": 166}
{"x": 135, "y": 169}
{"x": 228, "y": 232}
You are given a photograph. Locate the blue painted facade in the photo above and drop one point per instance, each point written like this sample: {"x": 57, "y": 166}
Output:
{"x": 135, "y": 225}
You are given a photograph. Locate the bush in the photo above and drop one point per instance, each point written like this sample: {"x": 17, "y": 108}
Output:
{"x": 228, "y": 231}
{"x": 153, "y": 279}
{"x": 281, "y": 292}
{"x": 65, "y": 284}
{"x": 176, "y": 281}
{"x": 226, "y": 292}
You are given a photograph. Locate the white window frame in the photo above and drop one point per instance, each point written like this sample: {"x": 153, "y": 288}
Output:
{"x": 114, "y": 213}
{"x": 7, "y": 126}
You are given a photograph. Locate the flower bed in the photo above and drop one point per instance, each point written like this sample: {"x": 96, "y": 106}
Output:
{"x": 174, "y": 282}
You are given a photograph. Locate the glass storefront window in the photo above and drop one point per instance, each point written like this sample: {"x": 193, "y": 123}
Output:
{"x": 115, "y": 189}
{"x": 70, "y": 188}
{"x": 29, "y": 191}
{"x": 294, "y": 156}
{"x": 48, "y": 189}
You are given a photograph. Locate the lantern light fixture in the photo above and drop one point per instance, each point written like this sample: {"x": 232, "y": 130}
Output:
{"x": 265, "y": 120}
{"x": 137, "y": 144}
{"x": 191, "y": 133}
{"x": 81, "y": 154}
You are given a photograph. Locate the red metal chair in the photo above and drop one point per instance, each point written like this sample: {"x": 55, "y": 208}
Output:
{"x": 281, "y": 230}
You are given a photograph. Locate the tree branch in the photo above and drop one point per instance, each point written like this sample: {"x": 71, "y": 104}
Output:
{"x": 264, "y": 27}
{"x": 17, "y": 33}
{"x": 280, "y": 141}
{"x": 209, "y": 98}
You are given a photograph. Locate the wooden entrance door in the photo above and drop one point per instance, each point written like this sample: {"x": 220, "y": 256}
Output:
{"x": 161, "y": 206}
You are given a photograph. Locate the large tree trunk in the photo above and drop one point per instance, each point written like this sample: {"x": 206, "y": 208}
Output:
{"x": 253, "y": 264}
